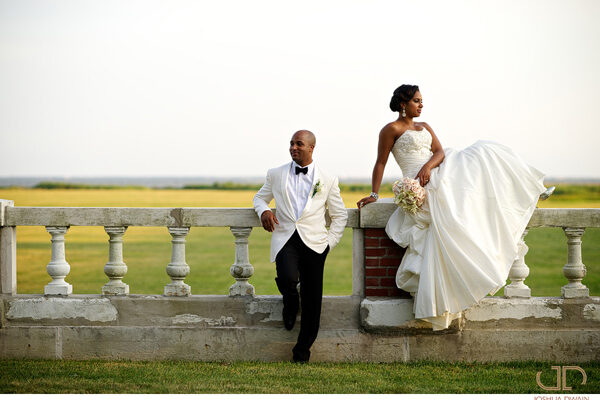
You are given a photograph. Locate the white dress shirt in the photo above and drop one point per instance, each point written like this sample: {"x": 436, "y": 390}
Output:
{"x": 299, "y": 187}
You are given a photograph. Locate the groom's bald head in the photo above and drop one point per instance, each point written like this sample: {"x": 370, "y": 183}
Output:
{"x": 308, "y": 136}
{"x": 302, "y": 145}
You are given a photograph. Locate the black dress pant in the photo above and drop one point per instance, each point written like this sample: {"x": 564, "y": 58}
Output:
{"x": 296, "y": 261}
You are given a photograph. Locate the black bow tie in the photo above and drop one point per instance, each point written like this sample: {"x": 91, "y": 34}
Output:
{"x": 303, "y": 170}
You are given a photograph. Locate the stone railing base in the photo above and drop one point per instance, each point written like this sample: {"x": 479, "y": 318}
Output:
{"x": 207, "y": 328}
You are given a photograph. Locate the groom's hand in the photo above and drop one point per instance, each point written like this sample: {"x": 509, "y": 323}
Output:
{"x": 268, "y": 221}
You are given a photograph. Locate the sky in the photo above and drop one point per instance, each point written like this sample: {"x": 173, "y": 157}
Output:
{"x": 217, "y": 88}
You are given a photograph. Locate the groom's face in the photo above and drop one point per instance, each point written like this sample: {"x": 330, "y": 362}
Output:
{"x": 301, "y": 148}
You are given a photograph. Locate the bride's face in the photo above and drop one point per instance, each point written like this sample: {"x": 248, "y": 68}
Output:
{"x": 414, "y": 106}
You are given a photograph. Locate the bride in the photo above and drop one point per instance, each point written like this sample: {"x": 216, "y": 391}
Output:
{"x": 463, "y": 241}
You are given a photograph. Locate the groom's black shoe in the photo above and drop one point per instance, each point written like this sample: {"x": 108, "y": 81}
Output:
{"x": 300, "y": 356}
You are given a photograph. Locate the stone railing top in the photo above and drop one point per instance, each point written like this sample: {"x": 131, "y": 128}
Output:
{"x": 118, "y": 216}
{"x": 375, "y": 215}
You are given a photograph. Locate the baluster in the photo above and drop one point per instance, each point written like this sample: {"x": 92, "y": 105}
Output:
{"x": 241, "y": 270}
{"x": 115, "y": 268}
{"x": 8, "y": 252}
{"x": 58, "y": 268}
{"x": 574, "y": 270}
{"x": 519, "y": 271}
{"x": 177, "y": 268}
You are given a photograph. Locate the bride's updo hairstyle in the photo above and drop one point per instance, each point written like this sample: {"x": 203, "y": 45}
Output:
{"x": 402, "y": 95}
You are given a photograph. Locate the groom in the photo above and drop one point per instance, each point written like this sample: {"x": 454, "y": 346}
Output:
{"x": 300, "y": 241}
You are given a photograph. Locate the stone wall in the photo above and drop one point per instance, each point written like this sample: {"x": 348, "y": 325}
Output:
{"x": 208, "y": 328}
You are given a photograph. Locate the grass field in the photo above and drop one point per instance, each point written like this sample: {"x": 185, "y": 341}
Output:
{"x": 254, "y": 377}
{"x": 210, "y": 251}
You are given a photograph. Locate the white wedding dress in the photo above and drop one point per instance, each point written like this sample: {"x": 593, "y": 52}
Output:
{"x": 462, "y": 243}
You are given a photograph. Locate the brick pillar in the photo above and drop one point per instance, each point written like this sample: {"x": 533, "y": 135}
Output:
{"x": 382, "y": 258}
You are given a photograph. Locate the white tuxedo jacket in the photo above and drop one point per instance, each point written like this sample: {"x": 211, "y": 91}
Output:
{"x": 311, "y": 223}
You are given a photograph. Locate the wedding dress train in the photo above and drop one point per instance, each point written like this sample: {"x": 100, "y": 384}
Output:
{"x": 462, "y": 243}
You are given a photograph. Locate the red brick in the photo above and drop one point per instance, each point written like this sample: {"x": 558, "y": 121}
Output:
{"x": 372, "y": 262}
{"x": 397, "y": 252}
{"x": 387, "y": 243}
{"x": 387, "y": 282}
{"x": 390, "y": 262}
{"x": 395, "y": 292}
{"x": 392, "y": 271}
{"x": 374, "y": 252}
{"x": 375, "y": 272}
{"x": 375, "y": 233}
{"x": 372, "y": 282}
{"x": 372, "y": 242}
{"x": 376, "y": 292}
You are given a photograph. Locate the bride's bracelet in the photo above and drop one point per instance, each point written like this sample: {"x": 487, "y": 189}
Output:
{"x": 374, "y": 195}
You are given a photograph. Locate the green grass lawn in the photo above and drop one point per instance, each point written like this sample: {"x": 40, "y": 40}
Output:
{"x": 282, "y": 377}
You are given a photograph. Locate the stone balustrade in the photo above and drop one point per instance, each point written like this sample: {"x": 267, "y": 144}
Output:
{"x": 64, "y": 324}
{"x": 376, "y": 259}
{"x": 115, "y": 221}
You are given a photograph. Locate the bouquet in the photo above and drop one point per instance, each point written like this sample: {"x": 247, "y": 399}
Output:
{"x": 409, "y": 195}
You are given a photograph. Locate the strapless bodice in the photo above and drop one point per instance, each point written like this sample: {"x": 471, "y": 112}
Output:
{"x": 412, "y": 150}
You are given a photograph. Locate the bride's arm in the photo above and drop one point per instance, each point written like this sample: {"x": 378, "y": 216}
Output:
{"x": 435, "y": 160}
{"x": 387, "y": 136}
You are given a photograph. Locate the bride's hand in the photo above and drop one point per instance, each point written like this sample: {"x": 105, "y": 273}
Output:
{"x": 424, "y": 175}
{"x": 364, "y": 201}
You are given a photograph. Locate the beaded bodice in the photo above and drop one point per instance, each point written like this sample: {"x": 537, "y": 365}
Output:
{"x": 412, "y": 150}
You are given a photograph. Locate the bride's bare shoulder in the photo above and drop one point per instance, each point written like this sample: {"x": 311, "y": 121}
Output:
{"x": 424, "y": 125}
{"x": 392, "y": 130}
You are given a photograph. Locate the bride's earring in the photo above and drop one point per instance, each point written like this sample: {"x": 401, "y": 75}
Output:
{"x": 403, "y": 112}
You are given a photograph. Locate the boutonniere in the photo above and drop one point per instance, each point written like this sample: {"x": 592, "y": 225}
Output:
{"x": 316, "y": 188}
